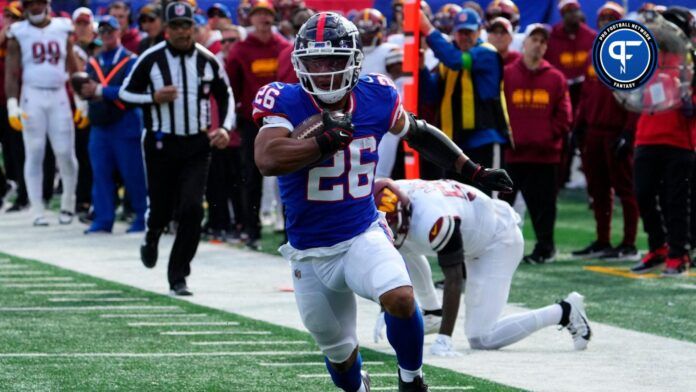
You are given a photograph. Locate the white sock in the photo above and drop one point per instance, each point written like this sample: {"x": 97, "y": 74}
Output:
{"x": 362, "y": 387}
{"x": 410, "y": 375}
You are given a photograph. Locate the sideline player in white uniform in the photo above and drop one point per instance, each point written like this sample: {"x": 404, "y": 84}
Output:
{"x": 372, "y": 26}
{"x": 457, "y": 222}
{"x": 38, "y": 51}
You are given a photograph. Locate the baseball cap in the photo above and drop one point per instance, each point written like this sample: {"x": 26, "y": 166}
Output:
{"x": 82, "y": 14}
{"x": 108, "y": 21}
{"x": 15, "y": 8}
{"x": 467, "y": 19}
{"x": 261, "y": 5}
{"x": 221, "y": 8}
{"x": 567, "y": 5}
{"x": 612, "y": 9}
{"x": 537, "y": 28}
{"x": 153, "y": 11}
{"x": 179, "y": 11}
{"x": 200, "y": 20}
{"x": 500, "y": 21}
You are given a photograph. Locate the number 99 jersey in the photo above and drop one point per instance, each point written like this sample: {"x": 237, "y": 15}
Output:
{"x": 43, "y": 51}
{"x": 331, "y": 202}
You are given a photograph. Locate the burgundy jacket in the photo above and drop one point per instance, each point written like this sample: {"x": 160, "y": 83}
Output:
{"x": 569, "y": 53}
{"x": 540, "y": 114}
{"x": 250, "y": 65}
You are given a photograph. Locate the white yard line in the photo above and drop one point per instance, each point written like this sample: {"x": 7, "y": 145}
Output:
{"x": 72, "y": 292}
{"x": 322, "y": 364}
{"x": 249, "y": 342}
{"x": 23, "y": 273}
{"x": 180, "y": 323}
{"x": 248, "y": 284}
{"x": 17, "y": 280}
{"x": 67, "y": 309}
{"x": 97, "y": 299}
{"x": 160, "y": 355}
{"x": 47, "y": 285}
{"x": 13, "y": 266}
{"x": 153, "y": 315}
{"x": 196, "y": 333}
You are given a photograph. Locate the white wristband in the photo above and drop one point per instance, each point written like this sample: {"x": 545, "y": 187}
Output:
{"x": 12, "y": 106}
{"x": 98, "y": 91}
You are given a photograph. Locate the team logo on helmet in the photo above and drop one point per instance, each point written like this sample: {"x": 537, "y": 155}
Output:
{"x": 624, "y": 55}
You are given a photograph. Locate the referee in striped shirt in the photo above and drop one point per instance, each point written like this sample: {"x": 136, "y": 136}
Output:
{"x": 174, "y": 81}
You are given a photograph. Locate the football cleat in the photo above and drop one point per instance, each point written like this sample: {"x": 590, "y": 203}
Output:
{"x": 417, "y": 385}
{"x": 443, "y": 347}
{"x": 431, "y": 323}
{"x": 539, "y": 257}
{"x": 578, "y": 326}
{"x": 149, "y": 248}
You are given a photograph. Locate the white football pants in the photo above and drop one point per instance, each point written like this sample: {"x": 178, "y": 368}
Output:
{"x": 48, "y": 113}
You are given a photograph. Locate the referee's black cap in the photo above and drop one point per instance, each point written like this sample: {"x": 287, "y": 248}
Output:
{"x": 178, "y": 11}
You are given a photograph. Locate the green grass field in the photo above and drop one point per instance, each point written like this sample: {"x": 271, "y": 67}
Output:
{"x": 95, "y": 350}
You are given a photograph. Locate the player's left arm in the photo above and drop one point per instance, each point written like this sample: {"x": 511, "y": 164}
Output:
{"x": 450, "y": 256}
{"x": 438, "y": 148}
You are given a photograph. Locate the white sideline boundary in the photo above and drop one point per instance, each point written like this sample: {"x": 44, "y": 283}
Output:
{"x": 247, "y": 283}
{"x": 7, "y": 274}
{"x": 47, "y": 285}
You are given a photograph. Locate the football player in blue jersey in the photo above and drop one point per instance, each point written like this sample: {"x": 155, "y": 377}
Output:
{"x": 338, "y": 244}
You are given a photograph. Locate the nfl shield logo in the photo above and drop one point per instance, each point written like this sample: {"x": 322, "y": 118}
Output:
{"x": 179, "y": 10}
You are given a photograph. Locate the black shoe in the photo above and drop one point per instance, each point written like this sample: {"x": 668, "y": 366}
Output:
{"x": 595, "y": 249}
{"x": 181, "y": 289}
{"x": 254, "y": 244}
{"x": 651, "y": 261}
{"x": 148, "y": 249}
{"x": 417, "y": 385}
{"x": 621, "y": 253}
{"x": 540, "y": 257}
{"x": 16, "y": 207}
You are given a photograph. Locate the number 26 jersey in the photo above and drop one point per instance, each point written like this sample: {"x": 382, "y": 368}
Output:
{"x": 331, "y": 202}
{"x": 43, "y": 52}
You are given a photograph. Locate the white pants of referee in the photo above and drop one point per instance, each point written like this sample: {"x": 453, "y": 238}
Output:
{"x": 48, "y": 114}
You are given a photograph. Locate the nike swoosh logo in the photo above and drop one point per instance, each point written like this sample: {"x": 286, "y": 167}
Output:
{"x": 343, "y": 134}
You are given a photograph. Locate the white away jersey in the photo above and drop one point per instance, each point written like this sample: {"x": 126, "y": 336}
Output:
{"x": 436, "y": 204}
{"x": 375, "y": 60}
{"x": 43, "y": 52}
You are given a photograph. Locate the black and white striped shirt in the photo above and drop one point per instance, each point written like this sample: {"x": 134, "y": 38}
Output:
{"x": 197, "y": 74}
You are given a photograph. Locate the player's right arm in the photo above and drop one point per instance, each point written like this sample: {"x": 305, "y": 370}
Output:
{"x": 275, "y": 152}
{"x": 13, "y": 68}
